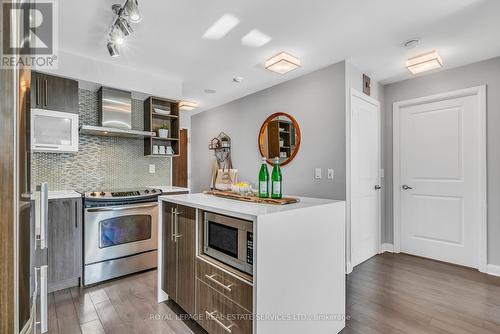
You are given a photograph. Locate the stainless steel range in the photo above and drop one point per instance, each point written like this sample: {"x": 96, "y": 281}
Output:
{"x": 120, "y": 233}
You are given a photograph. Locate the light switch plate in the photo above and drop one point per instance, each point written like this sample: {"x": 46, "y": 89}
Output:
{"x": 152, "y": 169}
{"x": 331, "y": 173}
{"x": 317, "y": 173}
{"x": 382, "y": 173}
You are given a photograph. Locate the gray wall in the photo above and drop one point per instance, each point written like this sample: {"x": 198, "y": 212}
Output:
{"x": 316, "y": 100}
{"x": 102, "y": 162}
{"x": 486, "y": 72}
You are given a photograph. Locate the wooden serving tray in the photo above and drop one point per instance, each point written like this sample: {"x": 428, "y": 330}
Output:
{"x": 253, "y": 199}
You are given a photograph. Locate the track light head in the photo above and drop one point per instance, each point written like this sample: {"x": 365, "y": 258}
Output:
{"x": 113, "y": 50}
{"x": 132, "y": 10}
{"x": 123, "y": 25}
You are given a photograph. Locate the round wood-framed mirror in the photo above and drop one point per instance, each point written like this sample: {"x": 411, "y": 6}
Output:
{"x": 279, "y": 137}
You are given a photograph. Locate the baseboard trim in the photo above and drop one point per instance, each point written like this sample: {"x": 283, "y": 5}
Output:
{"x": 386, "y": 248}
{"x": 348, "y": 268}
{"x": 492, "y": 269}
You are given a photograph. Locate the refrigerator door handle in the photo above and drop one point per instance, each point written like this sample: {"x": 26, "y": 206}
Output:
{"x": 43, "y": 300}
{"x": 41, "y": 325}
{"x": 41, "y": 214}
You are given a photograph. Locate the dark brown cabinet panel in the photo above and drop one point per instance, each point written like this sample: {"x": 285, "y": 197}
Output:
{"x": 64, "y": 239}
{"x": 179, "y": 254}
{"x": 54, "y": 93}
{"x": 186, "y": 258}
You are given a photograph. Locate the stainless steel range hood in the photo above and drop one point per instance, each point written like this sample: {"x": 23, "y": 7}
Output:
{"x": 115, "y": 116}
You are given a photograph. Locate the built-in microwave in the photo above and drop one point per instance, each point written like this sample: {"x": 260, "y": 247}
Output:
{"x": 54, "y": 131}
{"x": 229, "y": 240}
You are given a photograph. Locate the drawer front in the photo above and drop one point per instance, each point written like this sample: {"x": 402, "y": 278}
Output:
{"x": 235, "y": 289}
{"x": 218, "y": 314}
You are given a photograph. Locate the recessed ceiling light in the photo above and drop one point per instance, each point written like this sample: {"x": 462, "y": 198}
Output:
{"x": 220, "y": 28}
{"x": 210, "y": 91}
{"x": 255, "y": 38}
{"x": 238, "y": 79}
{"x": 412, "y": 43}
{"x": 425, "y": 62}
{"x": 282, "y": 63}
{"x": 188, "y": 105}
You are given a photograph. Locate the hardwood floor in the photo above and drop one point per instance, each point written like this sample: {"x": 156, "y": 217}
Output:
{"x": 398, "y": 293}
{"x": 390, "y": 293}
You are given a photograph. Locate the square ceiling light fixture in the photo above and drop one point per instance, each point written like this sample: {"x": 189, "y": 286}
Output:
{"x": 282, "y": 63}
{"x": 423, "y": 63}
{"x": 188, "y": 105}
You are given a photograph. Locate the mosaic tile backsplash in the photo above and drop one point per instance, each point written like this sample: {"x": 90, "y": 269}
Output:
{"x": 102, "y": 163}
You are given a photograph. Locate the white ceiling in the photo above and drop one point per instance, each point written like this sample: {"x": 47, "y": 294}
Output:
{"x": 367, "y": 33}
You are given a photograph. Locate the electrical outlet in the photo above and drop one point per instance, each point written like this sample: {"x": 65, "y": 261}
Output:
{"x": 382, "y": 173}
{"x": 152, "y": 169}
{"x": 317, "y": 173}
{"x": 331, "y": 172}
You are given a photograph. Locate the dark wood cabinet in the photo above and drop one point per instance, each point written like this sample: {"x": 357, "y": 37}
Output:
{"x": 54, "y": 93}
{"x": 160, "y": 113}
{"x": 179, "y": 254}
{"x": 64, "y": 239}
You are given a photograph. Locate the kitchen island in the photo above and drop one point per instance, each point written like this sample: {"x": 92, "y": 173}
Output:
{"x": 290, "y": 279}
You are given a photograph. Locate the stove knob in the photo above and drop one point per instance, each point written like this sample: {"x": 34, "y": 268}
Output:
{"x": 102, "y": 193}
{"x": 153, "y": 191}
{"x": 146, "y": 191}
{"x": 92, "y": 194}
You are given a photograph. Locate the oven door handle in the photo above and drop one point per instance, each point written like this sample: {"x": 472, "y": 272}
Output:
{"x": 121, "y": 208}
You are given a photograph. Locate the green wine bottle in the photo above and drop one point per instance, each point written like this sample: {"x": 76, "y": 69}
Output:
{"x": 263, "y": 180}
{"x": 277, "y": 181}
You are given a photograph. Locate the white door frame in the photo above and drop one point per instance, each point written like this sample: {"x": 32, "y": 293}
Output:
{"x": 480, "y": 91}
{"x": 354, "y": 93}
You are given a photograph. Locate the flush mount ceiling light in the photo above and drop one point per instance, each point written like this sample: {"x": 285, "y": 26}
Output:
{"x": 255, "y": 38}
{"x": 121, "y": 27}
{"x": 222, "y": 27}
{"x": 188, "y": 105}
{"x": 425, "y": 62}
{"x": 282, "y": 63}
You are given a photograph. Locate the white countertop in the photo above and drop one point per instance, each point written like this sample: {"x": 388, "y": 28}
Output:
{"x": 229, "y": 206}
{"x": 170, "y": 189}
{"x": 61, "y": 194}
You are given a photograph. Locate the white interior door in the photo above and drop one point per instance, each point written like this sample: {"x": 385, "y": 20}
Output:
{"x": 365, "y": 177}
{"x": 441, "y": 178}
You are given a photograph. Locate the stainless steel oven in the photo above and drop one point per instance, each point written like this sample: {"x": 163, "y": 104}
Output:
{"x": 120, "y": 234}
{"x": 229, "y": 240}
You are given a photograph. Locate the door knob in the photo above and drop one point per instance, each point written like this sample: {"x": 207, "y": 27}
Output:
{"x": 406, "y": 187}
{"x": 377, "y": 187}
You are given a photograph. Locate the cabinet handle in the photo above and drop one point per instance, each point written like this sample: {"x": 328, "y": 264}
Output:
{"x": 172, "y": 224}
{"x": 176, "y": 226}
{"x": 222, "y": 285}
{"x": 211, "y": 316}
{"x": 76, "y": 214}
{"x": 46, "y": 93}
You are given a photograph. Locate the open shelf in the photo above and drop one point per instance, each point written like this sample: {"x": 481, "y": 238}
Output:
{"x": 153, "y": 121}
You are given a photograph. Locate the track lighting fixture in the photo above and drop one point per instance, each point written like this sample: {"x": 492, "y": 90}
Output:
{"x": 113, "y": 50}
{"x": 132, "y": 9}
{"x": 121, "y": 28}
{"x": 124, "y": 26}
